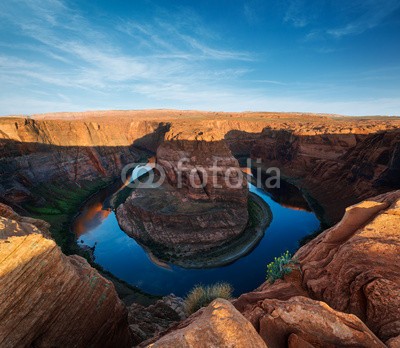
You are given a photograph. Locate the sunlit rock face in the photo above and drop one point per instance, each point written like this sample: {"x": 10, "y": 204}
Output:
{"x": 354, "y": 265}
{"x": 353, "y": 268}
{"x": 198, "y": 206}
{"x": 218, "y": 325}
{"x": 303, "y": 322}
{"x": 48, "y": 299}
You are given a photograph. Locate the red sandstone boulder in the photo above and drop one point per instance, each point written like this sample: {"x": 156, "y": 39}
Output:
{"x": 218, "y": 325}
{"x": 303, "y": 322}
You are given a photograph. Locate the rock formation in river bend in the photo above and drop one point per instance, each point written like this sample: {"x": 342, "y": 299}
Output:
{"x": 201, "y": 156}
{"x": 48, "y": 299}
{"x": 186, "y": 220}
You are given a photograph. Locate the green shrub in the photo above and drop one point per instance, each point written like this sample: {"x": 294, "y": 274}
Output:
{"x": 279, "y": 267}
{"x": 201, "y": 296}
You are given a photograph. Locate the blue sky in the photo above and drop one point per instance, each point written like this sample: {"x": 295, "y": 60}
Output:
{"x": 328, "y": 56}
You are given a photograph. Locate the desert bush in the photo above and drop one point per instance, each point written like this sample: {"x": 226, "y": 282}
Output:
{"x": 280, "y": 266}
{"x": 201, "y": 296}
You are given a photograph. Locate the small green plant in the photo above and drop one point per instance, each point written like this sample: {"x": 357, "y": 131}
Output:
{"x": 280, "y": 266}
{"x": 201, "y": 296}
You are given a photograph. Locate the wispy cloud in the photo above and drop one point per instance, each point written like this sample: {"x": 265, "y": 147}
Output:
{"x": 273, "y": 82}
{"x": 368, "y": 14}
{"x": 95, "y": 61}
{"x": 296, "y": 14}
{"x": 174, "y": 41}
{"x": 346, "y": 17}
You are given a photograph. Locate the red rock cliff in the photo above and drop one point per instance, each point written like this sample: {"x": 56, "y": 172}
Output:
{"x": 48, "y": 299}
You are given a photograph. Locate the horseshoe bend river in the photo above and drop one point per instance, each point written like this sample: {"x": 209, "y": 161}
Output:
{"x": 96, "y": 227}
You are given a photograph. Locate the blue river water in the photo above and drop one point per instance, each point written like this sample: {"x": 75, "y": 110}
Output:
{"x": 126, "y": 259}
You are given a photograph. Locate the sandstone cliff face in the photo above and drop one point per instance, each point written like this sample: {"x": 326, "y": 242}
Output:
{"x": 196, "y": 208}
{"x": 38, "y": 151}
{"x": 354, "y": 265}
{"x": 48, "y": 299}
{"x": 302, "y": 321}
{"x": 353, "y": 268}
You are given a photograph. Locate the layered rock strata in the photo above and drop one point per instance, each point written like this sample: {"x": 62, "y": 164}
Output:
{"x": 50, "y": 300}
{"x": 336, "y": 170}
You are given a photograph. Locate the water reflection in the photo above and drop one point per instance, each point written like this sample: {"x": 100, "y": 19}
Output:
{"x": 91, "y": 216}
{"x": 122, "y": 256}
{"x": 286, "y": 194}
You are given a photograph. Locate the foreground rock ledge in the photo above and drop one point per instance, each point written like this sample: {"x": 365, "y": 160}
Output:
{"x": 312, "y": 323}
{"x": 48, "y": 299}
{"x": 218, "y": 325}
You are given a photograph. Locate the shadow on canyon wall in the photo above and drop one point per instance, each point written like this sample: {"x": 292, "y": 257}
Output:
{"x": 336, "y": 170}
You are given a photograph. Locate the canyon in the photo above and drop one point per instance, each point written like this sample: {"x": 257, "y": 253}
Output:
{"x": 343, "y": 292}
{"x": 315, "y": 152}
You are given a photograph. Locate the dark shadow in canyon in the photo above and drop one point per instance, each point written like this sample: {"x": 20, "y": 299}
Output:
{"x": 333, "y": 171}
